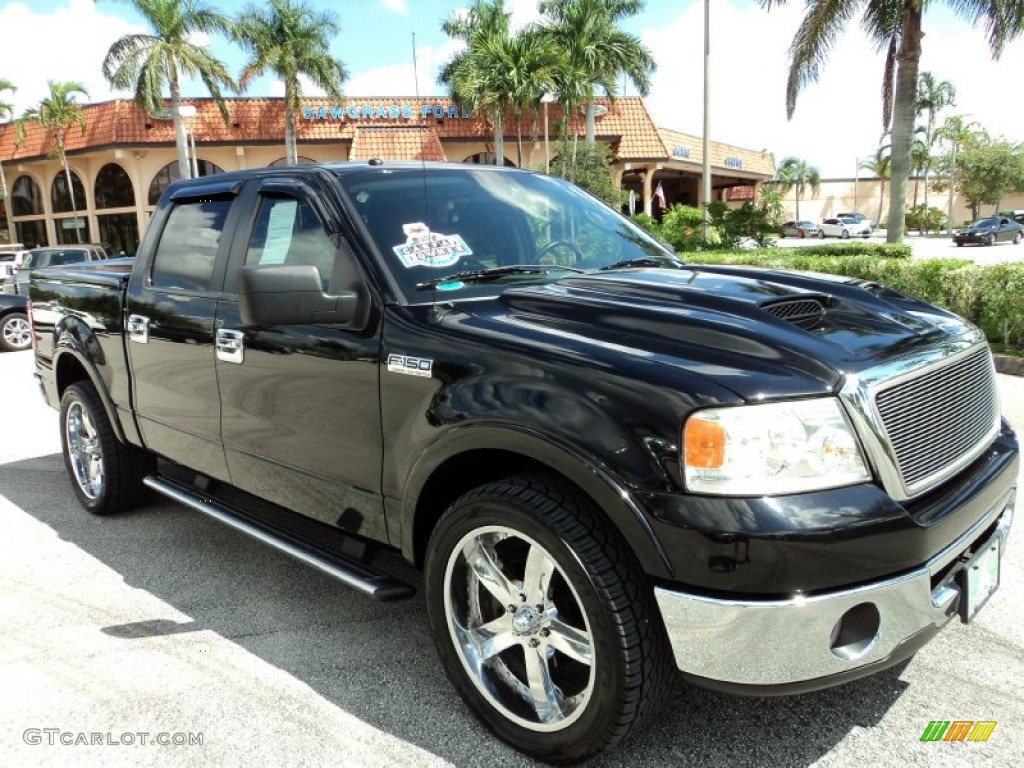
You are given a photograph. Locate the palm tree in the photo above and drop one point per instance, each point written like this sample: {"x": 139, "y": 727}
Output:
{"x": 148, "y": 63}
{"x": 794, "y": 172}
{"x": 58, "y": 114}
{"x": 894, "y": 25}
{"x": 958, "y": 133}
{"x": 290, "y": 39}
{"x": 596, "y": 48}
{"x": 932, "y": 98}
{"x": 879, "y": 165}
{"x": 6, "y": 113}
{"x": 472, "y": 76}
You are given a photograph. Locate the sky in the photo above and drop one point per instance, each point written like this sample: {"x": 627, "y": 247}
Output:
{"x": 837, "y": 121}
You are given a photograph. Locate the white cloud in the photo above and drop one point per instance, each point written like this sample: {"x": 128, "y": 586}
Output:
{"x": 77, "y": 36}
{"x": 838, "y": 119}
{"x": 398, "y": 6}
{"x": 399, "y": 79}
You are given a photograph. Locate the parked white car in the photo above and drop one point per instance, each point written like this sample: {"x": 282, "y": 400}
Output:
{"x": 844, "y": 228}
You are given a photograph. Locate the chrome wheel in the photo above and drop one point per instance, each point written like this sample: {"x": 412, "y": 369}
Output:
{"x": 519, "y": 628}
{"x": 16, "y": 333}
{"x": 84, "y": 453}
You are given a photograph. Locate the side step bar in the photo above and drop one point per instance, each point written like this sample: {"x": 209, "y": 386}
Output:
{"x": 347, "y": 570}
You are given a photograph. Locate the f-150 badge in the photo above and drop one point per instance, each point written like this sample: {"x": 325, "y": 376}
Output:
{"x": 410, "y": 366}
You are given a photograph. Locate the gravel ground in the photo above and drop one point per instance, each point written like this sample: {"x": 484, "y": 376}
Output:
{"x": 163, "y": 621}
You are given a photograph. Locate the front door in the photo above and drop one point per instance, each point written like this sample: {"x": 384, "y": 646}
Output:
{"x": 301, "y": 404}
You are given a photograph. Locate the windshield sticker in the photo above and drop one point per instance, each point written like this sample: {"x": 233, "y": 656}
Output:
{"x": 424, "y": 248}
{"x": 450, "y": 285}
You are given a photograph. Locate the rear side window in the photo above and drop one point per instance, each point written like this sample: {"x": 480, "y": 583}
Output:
{"x": 187, "y": 251}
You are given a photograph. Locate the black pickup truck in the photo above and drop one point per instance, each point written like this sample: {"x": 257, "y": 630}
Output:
{"x": 609, "y": 463}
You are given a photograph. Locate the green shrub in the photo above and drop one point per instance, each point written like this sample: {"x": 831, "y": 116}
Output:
{"x": 991, "y": 297}
{"x": 925, "y": 218}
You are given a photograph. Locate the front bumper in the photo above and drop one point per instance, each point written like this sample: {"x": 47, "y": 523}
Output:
{"x": 808, "y": 642}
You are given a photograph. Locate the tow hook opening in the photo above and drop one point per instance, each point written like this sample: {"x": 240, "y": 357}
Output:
{"x": 856, "y": 632}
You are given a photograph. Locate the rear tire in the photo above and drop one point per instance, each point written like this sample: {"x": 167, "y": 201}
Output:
{"x": 15, "y": 332}
{"x": 106, "y": 475}
{"x": 544, "y": 621}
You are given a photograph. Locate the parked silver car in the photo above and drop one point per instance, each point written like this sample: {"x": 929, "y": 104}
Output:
{"x": 53, "y": 256}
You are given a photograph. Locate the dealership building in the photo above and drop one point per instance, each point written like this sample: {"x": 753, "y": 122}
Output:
{"x": 125, "y": 158}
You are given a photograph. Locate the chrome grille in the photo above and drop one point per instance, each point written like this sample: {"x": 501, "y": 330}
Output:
{"x": 936, "y": 420}
{"x": 804, "y": 313}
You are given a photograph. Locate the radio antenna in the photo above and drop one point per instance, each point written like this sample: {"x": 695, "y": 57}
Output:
{"x": 423, "y": 170}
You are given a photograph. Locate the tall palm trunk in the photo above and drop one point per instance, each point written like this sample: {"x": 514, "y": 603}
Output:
{"x": 291, "y": 149}
{"x": 591, "y": 129}
{"x": 797, "y": 188}
{"x": 881, "y": 198}
{"x": 180, "y": 137}
{"x": 7, "y": 203}
{"x": 499, "y": 138}
{"x": 908, "y": 61}
{"x": 519, "y": 138}
{"x": 71, "y": 189}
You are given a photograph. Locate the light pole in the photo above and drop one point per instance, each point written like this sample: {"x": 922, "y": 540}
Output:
{"x": 952, "y": 189}
{"x": 856, "y": 180}
{"x": 706, "y": 168}
{"x": 188, "y": 112}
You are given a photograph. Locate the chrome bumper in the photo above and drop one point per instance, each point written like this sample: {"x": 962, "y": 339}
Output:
{"x": 800, "y": 639}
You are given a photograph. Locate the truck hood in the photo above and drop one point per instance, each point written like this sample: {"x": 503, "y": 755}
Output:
{"x": 753, "y": 331}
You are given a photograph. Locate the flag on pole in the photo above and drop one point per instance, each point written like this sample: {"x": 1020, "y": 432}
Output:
{"x": 660, "y": 194}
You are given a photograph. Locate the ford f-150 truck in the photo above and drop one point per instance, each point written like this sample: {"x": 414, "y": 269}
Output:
{"x": 614, "y": 468}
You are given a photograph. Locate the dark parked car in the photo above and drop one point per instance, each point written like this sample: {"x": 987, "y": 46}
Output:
{"x": 994, "y": 229}
{"x": 14, "y": 329}
{"x": 800, "y": 229}
{"x": 54, "y": 256}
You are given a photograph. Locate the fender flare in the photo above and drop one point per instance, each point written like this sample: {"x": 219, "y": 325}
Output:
{"x": 610, "y": 496}
{"x": 68, "y": 343}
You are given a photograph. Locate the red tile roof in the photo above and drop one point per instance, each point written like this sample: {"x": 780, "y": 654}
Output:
{"x": 411, "y": 143}
{"x": 387, "y": 127}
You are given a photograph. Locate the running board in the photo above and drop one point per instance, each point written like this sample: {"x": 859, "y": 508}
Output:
{"x": 348, "y": 570}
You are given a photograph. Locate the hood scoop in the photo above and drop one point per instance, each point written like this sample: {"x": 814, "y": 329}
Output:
{"x": 806, "y": 313}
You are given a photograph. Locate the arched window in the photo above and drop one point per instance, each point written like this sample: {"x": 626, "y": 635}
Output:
{"x": 169, "y": 173}
{"x": 59, "y": 193}
{"x": 284, "y": 161}
{"x": 486, "y": 158}
{"x": 113, "y": 188}
{"x": 26, "y": 199}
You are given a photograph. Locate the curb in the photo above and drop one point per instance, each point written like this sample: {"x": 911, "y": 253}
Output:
{"x": 1014, "y": 366}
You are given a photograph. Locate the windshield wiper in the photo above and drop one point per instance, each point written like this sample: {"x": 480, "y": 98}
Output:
{"x": 483, "y": 275}
{"x": 645, "y": 261}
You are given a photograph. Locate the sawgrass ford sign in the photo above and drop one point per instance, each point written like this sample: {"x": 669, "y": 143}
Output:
{"x": 381, "y": 111}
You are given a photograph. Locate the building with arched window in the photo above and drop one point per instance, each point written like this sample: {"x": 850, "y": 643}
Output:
{"x": 125, "y": 158}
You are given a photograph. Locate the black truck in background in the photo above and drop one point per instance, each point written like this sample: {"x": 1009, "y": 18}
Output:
{"x": 613, "y": 467}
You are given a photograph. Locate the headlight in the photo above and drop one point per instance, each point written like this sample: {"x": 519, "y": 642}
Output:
{"x": 774, "y": 448}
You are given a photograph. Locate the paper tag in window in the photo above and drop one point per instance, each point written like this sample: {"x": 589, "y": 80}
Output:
{"x": 424, "y": 248}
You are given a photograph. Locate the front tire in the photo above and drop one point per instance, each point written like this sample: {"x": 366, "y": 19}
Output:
{"x": 106, "y": 475}
{"x": 544, "y": 622}
{"x": 15, "y": 332}
{"x": 821, "y": 234}
{"x": 846, "y": 234}
{"x": 992, "y": 239}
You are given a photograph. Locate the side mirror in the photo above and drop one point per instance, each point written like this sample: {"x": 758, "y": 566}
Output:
{"x": 667, "y": 246}
{"x": 293, "y": 295}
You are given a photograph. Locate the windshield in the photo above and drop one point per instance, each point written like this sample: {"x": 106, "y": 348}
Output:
{"x": 41, "y": 259}
{"x": 986, "y": 223}
{"x": 435, "y": 223}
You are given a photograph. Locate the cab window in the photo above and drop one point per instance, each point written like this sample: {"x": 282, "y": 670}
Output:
{"x": 187, "y": 251}
{"x": 288, "y": 232}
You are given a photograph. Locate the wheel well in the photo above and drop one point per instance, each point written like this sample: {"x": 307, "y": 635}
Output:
{"x": 457, "y": 476}
{"x": 69, "y": 370}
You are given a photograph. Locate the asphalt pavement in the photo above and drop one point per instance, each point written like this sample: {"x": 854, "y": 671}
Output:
{"x": 163, "y": 625}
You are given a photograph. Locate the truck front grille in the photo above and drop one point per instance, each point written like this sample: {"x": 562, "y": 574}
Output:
{"x": 937, "y": 420}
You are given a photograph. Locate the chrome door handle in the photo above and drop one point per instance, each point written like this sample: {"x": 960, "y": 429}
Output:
{"x": 230, "y": 346}
{"x": 138, "y": 329}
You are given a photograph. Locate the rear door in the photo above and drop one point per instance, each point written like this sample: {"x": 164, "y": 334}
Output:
{"x": 171, "y": 307}
{"x": 301, "y": 404}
